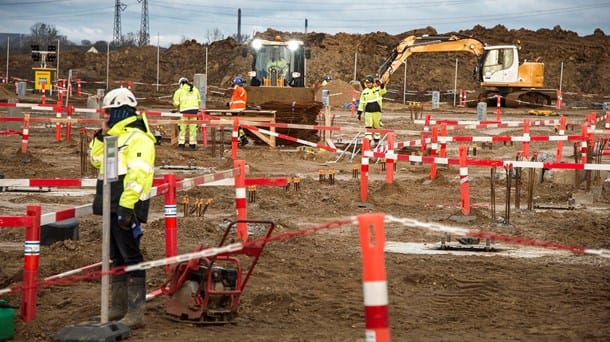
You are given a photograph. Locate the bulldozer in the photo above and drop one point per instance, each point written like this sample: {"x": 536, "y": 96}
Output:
{"x": 498, "y": 68}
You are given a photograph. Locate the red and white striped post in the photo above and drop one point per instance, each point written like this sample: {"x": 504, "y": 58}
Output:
{"x": 583, "y": 144}
{"x": 389, "y": 171}
{"x": 57, "y": 110}
{"x": 204, "y": 127}
{"x": 561, "y": 131}
{"x": 374, "y": 279}
{"x": 425, "y": 133}
{"x": 464, "y": 190}
{"x": 43, "y": 97}
{"x": 69, "y": 111}
{"x": 25, "y": 134}
{"x": 60, "y": 91}
{"x": 240, "y": 200}
{"x": 463, "y": 97}
{"x": 498, "y": 107}
{"x": 559, "y": 103}
{"x": 354, "y": 94}
{"x": 31, "y": 254}
{"x": 234, "y": 135}
{"x": 526, "y": 138}
{"x": 129, "y": 83}
{"x": 364, "y": 171}
{"x": 443, "y": 153}
{"x": 169, "y": 211}
{"x": 121, "y": 84}
{"x": 433, "y": 148}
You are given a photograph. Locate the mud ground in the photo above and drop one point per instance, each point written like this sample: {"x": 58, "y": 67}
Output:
{"x": 309, "y": 287}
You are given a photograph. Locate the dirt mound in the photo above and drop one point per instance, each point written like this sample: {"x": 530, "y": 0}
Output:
{"x": 585, "y": 60}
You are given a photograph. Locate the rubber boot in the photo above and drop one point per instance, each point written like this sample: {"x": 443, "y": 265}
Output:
{"x": 136, "y": 300}
{"x": 118, "y": 297}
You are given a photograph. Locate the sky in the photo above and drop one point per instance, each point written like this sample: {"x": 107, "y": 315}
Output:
{"x": 172, "y": 21}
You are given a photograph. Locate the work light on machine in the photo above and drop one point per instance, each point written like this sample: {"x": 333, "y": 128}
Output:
{"x": 257, "y": 44}
{"x": 293, "y": 45}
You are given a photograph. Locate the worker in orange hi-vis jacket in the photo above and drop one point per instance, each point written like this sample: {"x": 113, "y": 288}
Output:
{"x": 239, "y": 96}
{"x": 238, "y": 102}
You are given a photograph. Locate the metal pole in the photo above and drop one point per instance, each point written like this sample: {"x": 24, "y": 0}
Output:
{"x": 110, "y": 175}
{"x": 8, "y": 47}
{"x": 561, "y": 76}
{"x": 57, "y": 67}
{"x": 404, "y": 85}
{"x": 455, "y": 82}
{"x": 107, "y": 62}
{"x": 355, "y": 65}
{"x": 157, "y": 62}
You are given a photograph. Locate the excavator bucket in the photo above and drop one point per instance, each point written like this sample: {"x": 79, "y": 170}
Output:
{"x": 259, "y": 95}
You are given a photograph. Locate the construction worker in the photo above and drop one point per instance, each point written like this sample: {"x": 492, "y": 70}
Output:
{"x": 238, "y": 102}
{"x": 129, "y": 199}
{"x": 187, "y": 100}
{"x": 371, "y": 105}
{"x": 327, "y": 79}
{"x": 239, "y": 95}
{"x": 277, "y": 66}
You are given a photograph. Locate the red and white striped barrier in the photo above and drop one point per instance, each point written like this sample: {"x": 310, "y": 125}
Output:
{"x": 49, "y": 182}
{"x": 491, "y": 163}
{"x": 289, "y": 138}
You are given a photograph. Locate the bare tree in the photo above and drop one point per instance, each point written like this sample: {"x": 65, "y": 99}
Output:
{"x": 44, "y": 35}
{"x": 214, "y": 35}
{"x": 243, "y": 39}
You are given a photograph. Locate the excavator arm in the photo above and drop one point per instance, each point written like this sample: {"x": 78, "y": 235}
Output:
{"x": 413, "y": 44}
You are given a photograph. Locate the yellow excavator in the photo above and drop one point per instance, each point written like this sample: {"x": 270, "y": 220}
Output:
{"x": 498, "y": 68}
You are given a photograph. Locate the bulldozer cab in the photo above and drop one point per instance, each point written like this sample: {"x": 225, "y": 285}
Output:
{"x": 277, "y": 63}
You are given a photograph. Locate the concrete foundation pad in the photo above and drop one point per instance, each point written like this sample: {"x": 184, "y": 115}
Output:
{"x": 468, "y": 250}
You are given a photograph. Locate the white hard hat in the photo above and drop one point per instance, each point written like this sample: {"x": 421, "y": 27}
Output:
{"x": 119, "y": 97}
{"x": 183, "y": 80}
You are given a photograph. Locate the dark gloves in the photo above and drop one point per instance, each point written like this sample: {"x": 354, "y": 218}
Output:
{"x": 126, "y": 217}
{"x": 382, "y": 85}
{"x": 99, "y": 135}
{"x": 359, "y": 114}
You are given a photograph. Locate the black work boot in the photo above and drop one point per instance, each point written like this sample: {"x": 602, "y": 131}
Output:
{"x": 181, "y": 146}
{"x": 118, "y": 297}
{"x": 193, "y": 146}
{"x": 136, "y": 300}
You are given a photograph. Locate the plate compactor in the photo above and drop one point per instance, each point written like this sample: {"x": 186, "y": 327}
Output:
{"x": 208, "y": 290}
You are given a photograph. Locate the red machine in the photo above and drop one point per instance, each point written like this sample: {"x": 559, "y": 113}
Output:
{"x": 208, "y": 290}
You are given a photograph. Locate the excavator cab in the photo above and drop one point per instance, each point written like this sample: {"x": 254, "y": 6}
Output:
{"x": 500, "y": 64}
